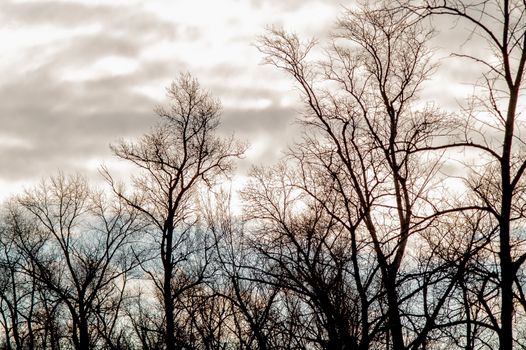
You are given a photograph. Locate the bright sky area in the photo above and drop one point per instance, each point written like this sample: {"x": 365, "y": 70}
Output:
{"x": 78, "y": 75}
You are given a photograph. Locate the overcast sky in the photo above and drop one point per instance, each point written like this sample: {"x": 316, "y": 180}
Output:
{"x": 78, "y": 75}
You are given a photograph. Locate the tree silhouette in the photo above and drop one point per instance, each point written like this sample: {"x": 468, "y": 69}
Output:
{"x": 177, "y": 157}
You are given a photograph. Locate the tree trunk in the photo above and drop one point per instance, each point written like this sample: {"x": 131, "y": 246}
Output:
{"x": 84, "y": 341}
{"x": 506, "y": 268}
{"x": 506, "y": 262}
{"x": 167, "y": 291}
{"x": 395, "y": 325}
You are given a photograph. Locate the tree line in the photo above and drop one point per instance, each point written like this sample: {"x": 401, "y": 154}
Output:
{"x": 355, "y": 240}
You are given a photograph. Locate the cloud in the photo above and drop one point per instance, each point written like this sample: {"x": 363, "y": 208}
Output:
{"x": 294, "y": 5}
{"x": 60, "y": 116}
{"x": 269, "y": 132}
{"x": 55, "y": 12}
{"x": 273, "y": 120}
{"x": 79, "y": 75}
{"x": 113, "y": 19}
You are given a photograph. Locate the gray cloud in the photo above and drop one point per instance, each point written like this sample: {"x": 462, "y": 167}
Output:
{"x": 269, "y": 132}
{"x": 114, "y": 20}
{"x": 59, "y": 123}
{"x": 121, "y": 31}
{"x": 272, "y": 121}
{"x": 292, "y": 5}
{"x": 56, "y": 12}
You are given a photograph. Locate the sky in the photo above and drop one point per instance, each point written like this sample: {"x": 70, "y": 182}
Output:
{"x": 79, "y": 75}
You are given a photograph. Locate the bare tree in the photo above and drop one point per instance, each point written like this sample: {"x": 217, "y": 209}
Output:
{"x": 303, "y": 251}
{"x": 18, "y": 292}
{"x": 364, "y": 138}
{"x": 255, "y": 319}
{"x": 77, "y": 251}
{"x": 182, "y": 153}
{"x": 492, "y": 124}
{"x": 145, "y": 320}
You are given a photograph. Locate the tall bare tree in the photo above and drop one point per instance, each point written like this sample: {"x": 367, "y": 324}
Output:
{"x": 492, "y": 121}
{"x": 180, "y": 155}
{"x": 365, "y": 132}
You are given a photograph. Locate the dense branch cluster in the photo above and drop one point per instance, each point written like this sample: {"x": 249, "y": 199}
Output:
{"x": 354, "y": 240}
